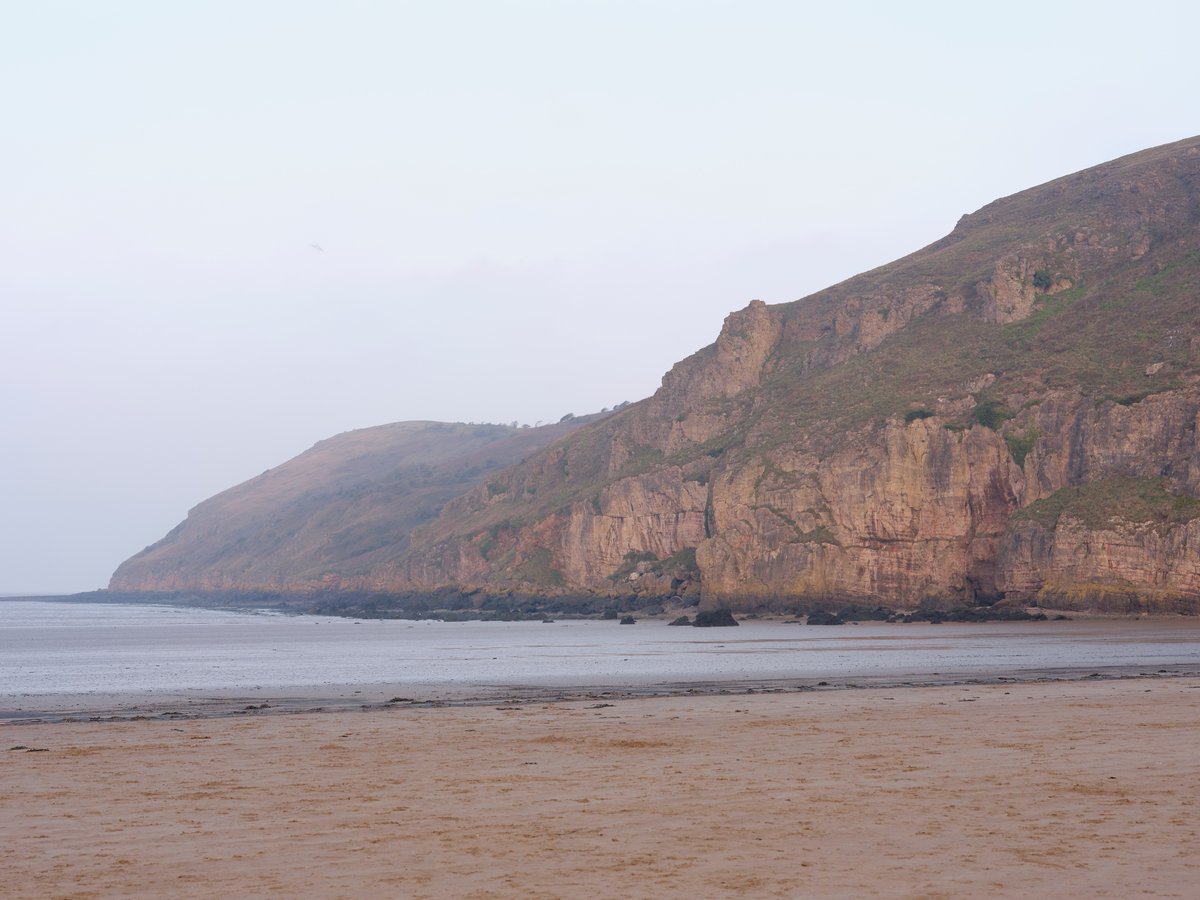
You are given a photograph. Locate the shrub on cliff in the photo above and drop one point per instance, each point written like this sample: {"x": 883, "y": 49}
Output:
{"x": 991, "y": 414}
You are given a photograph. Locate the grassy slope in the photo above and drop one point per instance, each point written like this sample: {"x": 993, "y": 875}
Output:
{"x": 1097, "y": 503}
{"x": 345, "y": 505}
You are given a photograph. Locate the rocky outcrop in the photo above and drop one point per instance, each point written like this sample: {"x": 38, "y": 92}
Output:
{"x": 1009, "y": 293}
{"x": 732, "y": 365}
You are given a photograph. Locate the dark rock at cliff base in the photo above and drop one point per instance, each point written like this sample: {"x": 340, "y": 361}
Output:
{"x": 865, "y": 614}
{"x": 824, "y": 617}
{"x": 974, "y": 614}
{"x": 714, "y": 618}
{"x": 682, "y": 620}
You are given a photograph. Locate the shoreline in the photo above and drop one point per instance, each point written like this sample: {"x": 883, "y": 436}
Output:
{"x": 232, "y": 603}
{"x": 366, "y": 698}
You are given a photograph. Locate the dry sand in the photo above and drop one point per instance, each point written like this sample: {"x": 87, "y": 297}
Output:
{"x": 1067, "y": 789}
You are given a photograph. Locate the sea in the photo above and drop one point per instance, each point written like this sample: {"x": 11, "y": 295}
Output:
{"x": 55, "y": 648}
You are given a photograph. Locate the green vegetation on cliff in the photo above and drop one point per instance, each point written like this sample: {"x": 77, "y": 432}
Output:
{"x": 1098, "y": 504}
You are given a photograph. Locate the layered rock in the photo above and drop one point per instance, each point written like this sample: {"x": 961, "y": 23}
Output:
{"x": 906, "y": 512}
{"x": 1124, "y": 542}
{"x": 1121, "y": 566}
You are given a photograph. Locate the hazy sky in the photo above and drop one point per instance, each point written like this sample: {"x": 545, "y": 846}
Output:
{"x": 523, "y": 209}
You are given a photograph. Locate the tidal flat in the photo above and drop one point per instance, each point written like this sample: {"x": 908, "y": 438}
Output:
{"x": 61, "y": 659}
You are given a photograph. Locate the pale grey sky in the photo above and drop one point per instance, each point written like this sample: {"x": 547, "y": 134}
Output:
{"x": 523, "y": 208}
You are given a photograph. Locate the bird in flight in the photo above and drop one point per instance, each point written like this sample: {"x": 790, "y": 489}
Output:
{"x": 317, "y": 247}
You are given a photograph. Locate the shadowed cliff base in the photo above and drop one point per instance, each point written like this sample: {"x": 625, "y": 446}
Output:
{"x": 453, "y": 605}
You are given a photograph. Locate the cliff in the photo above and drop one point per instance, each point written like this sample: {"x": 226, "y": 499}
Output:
{"x": 902, "y": 437}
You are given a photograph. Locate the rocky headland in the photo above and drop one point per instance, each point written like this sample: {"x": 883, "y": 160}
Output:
{"x": 1006, "y": 417}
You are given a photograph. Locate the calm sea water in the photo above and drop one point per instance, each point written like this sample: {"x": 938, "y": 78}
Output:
{"x": 55, "y": 648}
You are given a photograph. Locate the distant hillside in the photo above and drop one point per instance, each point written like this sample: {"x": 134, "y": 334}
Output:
{"x": 334, "y": 512}
{"x": 1008, "y": 415}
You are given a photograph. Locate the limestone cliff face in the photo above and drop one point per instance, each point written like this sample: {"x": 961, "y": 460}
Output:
{"x": 659, "y": 513}
{"x": 920, "y": 514}
{"x": 1010, "y": 412}
{"x": 1113, "y": 519}
{"x": 1120, "y": 566}
{"x": 874, "y": 442}
{"x": 1082, "y": 441}
{"x": 909, "y": 512}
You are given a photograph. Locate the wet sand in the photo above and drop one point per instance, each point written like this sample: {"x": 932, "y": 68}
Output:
{"x": 1075, "y": 788}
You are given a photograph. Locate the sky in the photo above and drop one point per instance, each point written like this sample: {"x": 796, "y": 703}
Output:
{"x": 231, "y": 229}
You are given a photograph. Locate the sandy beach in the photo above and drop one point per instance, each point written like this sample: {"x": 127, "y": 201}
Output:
{"x": 1080, "y": 788}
